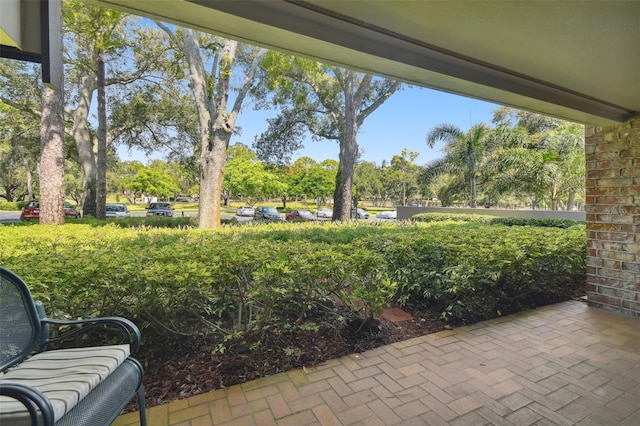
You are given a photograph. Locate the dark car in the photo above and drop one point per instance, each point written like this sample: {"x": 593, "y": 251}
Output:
{"x": 32, "y": 210}
{"x": 266, "y": 213}
{"x": 160, "y": 209}
{"x": 300, "y": 215}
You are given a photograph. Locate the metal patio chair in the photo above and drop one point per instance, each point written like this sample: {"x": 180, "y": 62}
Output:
{"x": 72, "y": 387}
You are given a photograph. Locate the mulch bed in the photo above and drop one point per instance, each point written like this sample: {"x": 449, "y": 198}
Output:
{"x": 205, "y": 367}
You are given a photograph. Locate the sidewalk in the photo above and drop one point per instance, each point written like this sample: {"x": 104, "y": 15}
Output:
{"x": 564, "y": 364}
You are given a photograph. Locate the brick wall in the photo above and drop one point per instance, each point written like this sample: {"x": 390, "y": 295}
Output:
{"x": 613, "y": 217}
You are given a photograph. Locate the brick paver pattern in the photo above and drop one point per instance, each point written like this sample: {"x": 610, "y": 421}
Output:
{"x": 563, "y": 364}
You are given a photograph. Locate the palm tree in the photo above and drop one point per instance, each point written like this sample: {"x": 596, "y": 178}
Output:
{"x": 549, "y": 166}
{"x": 464, "y": 153}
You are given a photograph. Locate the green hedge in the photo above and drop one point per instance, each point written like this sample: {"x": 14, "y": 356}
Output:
{"x": 242, "y": 280}
{"x": 12, "y": 205}
{"x": 494, "y": 220}
{"x": 451, "y": 217}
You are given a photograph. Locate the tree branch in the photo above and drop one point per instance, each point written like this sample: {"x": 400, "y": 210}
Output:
{"x": 367, "y": 111}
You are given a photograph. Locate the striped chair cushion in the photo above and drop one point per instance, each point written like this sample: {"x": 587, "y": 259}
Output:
{"x": 64, "y": 376}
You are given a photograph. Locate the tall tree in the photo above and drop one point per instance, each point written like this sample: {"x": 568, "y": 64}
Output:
{"x": 552, "y": 167}
{"x": 51, "y": 165}
{"x": 122, "y": 177}
{"x": 216, "y": 117}
{"x": 101, "y": 169}
{"x": 368, "y": 177}
{"x": 247, "y": 176}
{"x": 546, "y": 161}
{"x": 464, "y": 153}
{"x": 21, "y": 111}
{"x": 310, "y": 179}
{"x": 153, "y": 182}
{"x": 92, "y": 32}
{"x": 330, "y": 102}
{"x": 19, "y": 152}
{"x": 404, "y": 173}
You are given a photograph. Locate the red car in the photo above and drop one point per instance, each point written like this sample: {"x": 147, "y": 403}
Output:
{"x": 298, "y": 215}
{"x": 32, "y": 210}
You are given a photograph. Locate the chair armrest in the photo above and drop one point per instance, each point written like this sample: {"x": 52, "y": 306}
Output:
{"x": 32, "y": 399}
{"x": 128, "y": 329}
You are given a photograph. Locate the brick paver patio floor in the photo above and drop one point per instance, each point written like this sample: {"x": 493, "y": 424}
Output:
{"x": 564, "y": 364}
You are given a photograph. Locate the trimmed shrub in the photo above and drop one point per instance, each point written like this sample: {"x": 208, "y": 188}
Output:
{"x": 522, "y": 221}
{"x": 12, "y": 205}
{"x": 244, "y": 281}
{"x": 494, "y": 220}
{"x": 451, "y": 217}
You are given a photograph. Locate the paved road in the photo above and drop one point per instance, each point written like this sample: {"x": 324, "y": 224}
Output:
{"x": 9, "y": 217}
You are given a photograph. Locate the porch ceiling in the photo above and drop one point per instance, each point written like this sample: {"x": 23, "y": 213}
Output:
{"x": 577, "y": 60}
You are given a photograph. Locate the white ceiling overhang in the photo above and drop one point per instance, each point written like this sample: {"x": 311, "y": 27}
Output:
{"x": 578, "y": 60}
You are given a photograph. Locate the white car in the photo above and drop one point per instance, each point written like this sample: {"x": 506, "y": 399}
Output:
{"x": 359, "y": 213}
{"x": 245, "y": 211}
{"x": 324, "y": 213}
{"x": 391, "y": 214}
{"x": 117, "y": 211}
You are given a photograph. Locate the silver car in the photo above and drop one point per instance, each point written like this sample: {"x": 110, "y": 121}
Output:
{"x": 359, "y": 213}
{"x": 391, "y": 214}
{"x": 245, "y": 211}
{"x": 324, "y": 213}
{"x": 117, "y": 211}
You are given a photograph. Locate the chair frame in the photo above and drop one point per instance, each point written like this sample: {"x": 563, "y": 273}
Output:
{"x": 35, "y": 401}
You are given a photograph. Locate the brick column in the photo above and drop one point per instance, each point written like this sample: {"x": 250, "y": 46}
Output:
{"x": 613, "y": 217}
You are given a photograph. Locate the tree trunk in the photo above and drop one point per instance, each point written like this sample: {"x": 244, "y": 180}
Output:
{"x": 198, "y": 84}
{"x": 344, "y": 181}
{"x": 101, "y": 187}
{"x": 347, "y": 156}
{"x": 27, "y": 171}
{"x": 84, "y": 143}
{"x": 554, "y": 197}
{"x": 571, "y": 201}
{"x": 214, "y": 164}
{"x": 215, "y": 154}
{"x": 473, "y": 202}
{"x": 51, "y": 164}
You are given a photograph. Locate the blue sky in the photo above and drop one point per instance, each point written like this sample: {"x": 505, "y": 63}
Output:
{"x": 401, "y": 122}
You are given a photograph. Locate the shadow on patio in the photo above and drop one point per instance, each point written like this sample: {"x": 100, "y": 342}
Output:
{"x": 562, "y": 364}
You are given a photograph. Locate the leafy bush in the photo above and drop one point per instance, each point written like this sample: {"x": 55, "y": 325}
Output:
{"x": 493, "y": 220}
{"x": 148, "y": 222}
{"x": 474, "y": 272}
{"x": 522, "y": 221}
{"x": 244, "y": 281}
{"x": 12, "y": 205}
{"x": 451, "y": 217}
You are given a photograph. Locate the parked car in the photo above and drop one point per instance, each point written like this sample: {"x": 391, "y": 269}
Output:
{"x": 391, "y": 214}
{"x": 117, "y": 211}
{"x": 245, "y": 211}
{"x": 266, "y": 213}
{"x": 359, "y": 214}
{"x": 300, "y": 215}
{"x": 32, "y": 210}
{"x": 160, "y": 209}
{"x": 324, "y": 213}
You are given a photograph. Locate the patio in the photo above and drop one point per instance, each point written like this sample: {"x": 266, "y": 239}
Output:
{"x": 563, "y": 364}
